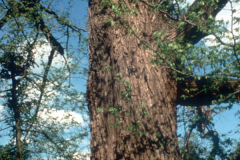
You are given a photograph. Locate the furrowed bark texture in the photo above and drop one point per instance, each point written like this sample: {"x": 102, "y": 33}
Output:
{"x": 144, "y": 126}
{"x": 113, "y": 47}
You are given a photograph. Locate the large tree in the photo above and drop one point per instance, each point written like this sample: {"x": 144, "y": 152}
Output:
{"x": 143, "y": 63}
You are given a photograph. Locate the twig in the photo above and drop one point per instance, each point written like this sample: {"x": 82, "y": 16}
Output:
{"x": 73, "y": 27}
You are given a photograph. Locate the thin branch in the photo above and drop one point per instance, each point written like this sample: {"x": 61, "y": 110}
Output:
{"x": 40, "y": 24}
{"x": 5, "y": 128}
{"x": 161, "y": 11}
{"x": 178, "y": 9}
{"x": 6, "y": 18}
{"x": 44, "y": 81}
{"x": 53, "y": 41}
{"x": 46, "y": 136}
{"x": 54, "y": 14}
{"x": 188, "y": 137}
{"x": 42, "y": 87}
{"x": 201, "y": 5}
{"x": 206, "y": 96}
{"x": 29, "y": 49}
{"x": 234, "y": 39}
{"x": 69, "y": 94}
{"x": 229, "y": 96}
{"x": 5, "y": 90}
{"x": 219, "y": 39}
{"x": 192, "y": 32}
{"x": 159, "y": 55}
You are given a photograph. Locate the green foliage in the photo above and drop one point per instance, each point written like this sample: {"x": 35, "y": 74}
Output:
{"x": 40, "y": 101}
{"x": 236, "y": 154}
{"x": 8, "y": 152}
{"x": 126, "y": 94}
{"x": 111, "y": 22}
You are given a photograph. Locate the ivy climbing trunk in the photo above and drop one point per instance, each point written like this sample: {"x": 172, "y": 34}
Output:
{"x": 132, "y": 104}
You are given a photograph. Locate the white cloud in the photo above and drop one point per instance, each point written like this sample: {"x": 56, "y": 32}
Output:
{"x": 225, "y": 13}
{"x": 60, "y": 116}
{"x": 226, "y": 16}
{"x": 189, "y": 1}
{"x": 82, "y": 155}
{"x": 1, "y": 108}
{"x": 1, "y": 113}
{"x": 41, "y": 54}
{"x": 33, "y": 92}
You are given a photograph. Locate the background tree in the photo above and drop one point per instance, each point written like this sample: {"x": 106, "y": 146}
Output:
{"x": 144, "y": 62}
{"x": 236, "y": 154}
{"x": 37, "y": 61}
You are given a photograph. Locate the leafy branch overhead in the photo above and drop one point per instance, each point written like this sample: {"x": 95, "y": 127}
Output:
{"x": 177, "y": 50}
{"x": 198, "y": 13}
{"x": 197, "y": 22}
{"x": 37, "y": 61}
{"x": 33, "y": 10}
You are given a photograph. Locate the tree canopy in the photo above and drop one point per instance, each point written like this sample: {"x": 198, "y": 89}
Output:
{"x": 42, "y": 52}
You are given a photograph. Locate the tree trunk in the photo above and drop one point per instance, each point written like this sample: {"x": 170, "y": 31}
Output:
{"x": 15, "y": 107}
{"x": 133, "y": 116}
{"x": 144, "y": 125}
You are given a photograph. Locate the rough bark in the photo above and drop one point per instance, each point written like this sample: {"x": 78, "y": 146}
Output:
{"x": 112, "y": 50}
{"x": 153, "y": 87}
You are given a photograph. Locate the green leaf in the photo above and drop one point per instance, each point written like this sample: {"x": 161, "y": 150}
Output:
{"x": 111, "y": 22}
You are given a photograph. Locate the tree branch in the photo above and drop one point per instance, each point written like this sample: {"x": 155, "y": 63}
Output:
{"x": 191, "y": 31}
{"x": 160, "y": 10}
{"x": 5, "y": 90}
{"x": 54, "y": 14}
{"x": 42, "y": 87}
{"x": 6, "y": 18}
{"x": 202, "y": 95}
{"x": 40, "y": 24}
